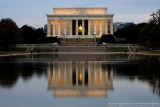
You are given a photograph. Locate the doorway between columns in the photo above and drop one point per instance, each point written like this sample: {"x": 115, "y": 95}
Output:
{"x": 80, "y": 27}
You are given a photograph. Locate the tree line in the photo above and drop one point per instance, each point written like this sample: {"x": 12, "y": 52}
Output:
{"x": 147, "y": 34}
{"x": 10, "y": 35}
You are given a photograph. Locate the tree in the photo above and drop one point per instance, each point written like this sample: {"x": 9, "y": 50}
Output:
{"x": 40, "y": 35}
{"x": 150, "y": 34}
{"x": 35, "y": 36}
{"x": 27, "y": 34}
{"x": 107, "y": 39}
{"x": 130, "y": 33}
{"x": 9, "y": 34}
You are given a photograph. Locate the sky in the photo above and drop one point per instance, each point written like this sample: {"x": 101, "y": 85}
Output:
{"x": 33, "y": 12}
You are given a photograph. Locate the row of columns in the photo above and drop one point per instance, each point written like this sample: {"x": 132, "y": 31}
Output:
{"x": 62, "y": 76}
{"x": 89, "y": 25}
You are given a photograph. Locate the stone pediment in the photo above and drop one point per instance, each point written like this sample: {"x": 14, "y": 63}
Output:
{"x": 79, "y": 11}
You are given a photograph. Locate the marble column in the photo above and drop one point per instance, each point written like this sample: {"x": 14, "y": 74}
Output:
{"x": 71, "y": 27}
{"x": 106, "y": 27}
{"x": 49, "y": 27}
{"x": 77, "y": 73}
{"x": 65, "y": 73}
{"x": 89, "y": 76}
{"x": 111, "y": 27}
{"x": 59, "y": 28}
{"x": 71, "y": 73}
{"x": 101, "y": 77}
{"x": 100, "y": 31}
{"x": 88, "y": 26}
{"x": 49, "y": 77}
{"x": 53, "y": 70}
{"x": 83, "y": 73}
{"x": 95, "y": 26}
{"x": 54, "y": 28}
{"x": 111, "y": 78}
{"x": 76, "y": 27}
{"x": 59, "y": 74}
{"x": 82, "y": 27}
{"x": 106, "y": 78}
{"x": 64, "y": 27}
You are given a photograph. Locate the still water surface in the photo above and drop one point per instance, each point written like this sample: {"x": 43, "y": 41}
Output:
{"x": 65, "y": 81}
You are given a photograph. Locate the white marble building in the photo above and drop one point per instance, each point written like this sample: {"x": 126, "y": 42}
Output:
{"x": 79, "y": 23}
{"x": 79, "y": 79}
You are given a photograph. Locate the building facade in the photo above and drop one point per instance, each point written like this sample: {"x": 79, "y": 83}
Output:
{"x": 79, "y": 23}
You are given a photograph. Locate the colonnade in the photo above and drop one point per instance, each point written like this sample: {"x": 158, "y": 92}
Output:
{"x": 96, "y": 27}
{"x": 79, "y": 74}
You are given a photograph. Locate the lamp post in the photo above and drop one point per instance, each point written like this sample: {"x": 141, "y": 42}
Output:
{"x": 64, "y": 38}
{"x": 94, "y": 35}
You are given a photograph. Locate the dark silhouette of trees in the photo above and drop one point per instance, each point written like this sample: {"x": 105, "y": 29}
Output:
{"x": 107, "y": 39}
{"x": 130, "y": 33}
{"x": 27, "y": 34}
{"x": 147, "y": 34}
{"x": 10, "y": 72}
{"x": 150, "y": 34}
{"x": 9, "y": 34}
{"x": 32, "y": 36}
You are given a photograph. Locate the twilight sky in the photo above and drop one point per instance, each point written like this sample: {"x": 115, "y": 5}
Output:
{"x": 33, "y": 12}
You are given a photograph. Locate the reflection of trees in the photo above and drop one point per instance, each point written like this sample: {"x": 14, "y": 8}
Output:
{"x": 152, "y": 74}
{"x": 10, "y": 72}
{"x": 146, "y": 70}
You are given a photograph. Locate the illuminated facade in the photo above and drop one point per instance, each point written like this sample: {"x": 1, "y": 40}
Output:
{"x": 79, "y": 23}
{"x": 79, "y": 79}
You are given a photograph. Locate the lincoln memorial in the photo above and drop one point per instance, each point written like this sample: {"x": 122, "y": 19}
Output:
{"x": 79, "y": 23}
{"x": 79, "y": 79}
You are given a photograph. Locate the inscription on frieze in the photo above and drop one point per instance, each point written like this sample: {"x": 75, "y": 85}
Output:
{"x": 79, "y": 11}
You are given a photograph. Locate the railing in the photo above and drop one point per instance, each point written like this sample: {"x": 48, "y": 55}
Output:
{"x": 131, "y": 49}
{"x": 30, "y": 49}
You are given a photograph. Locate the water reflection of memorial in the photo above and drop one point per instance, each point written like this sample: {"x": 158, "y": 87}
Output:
{"x": 79, "y": 79}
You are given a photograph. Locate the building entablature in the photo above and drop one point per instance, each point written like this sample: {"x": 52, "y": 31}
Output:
{"x": 72, "y": 17}
{"x": 80, "y": 11}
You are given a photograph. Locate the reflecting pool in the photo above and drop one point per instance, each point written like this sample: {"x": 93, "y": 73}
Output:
{"x": 80, "y": 81}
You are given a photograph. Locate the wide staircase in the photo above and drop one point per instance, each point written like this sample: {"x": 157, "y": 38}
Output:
{"x": 79, "y": 45}
{"x": 79, "y": 42}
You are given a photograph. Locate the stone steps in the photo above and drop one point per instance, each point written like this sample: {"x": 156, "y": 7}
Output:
{"x": 79, "y": 44}
{"x": 80, "y": 40}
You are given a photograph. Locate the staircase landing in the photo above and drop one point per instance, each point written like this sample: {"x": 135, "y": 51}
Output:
{"x": 79, "y": 42}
